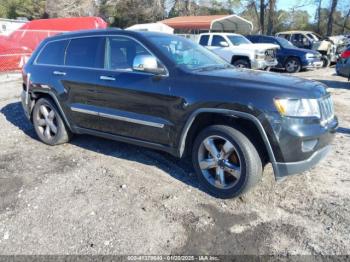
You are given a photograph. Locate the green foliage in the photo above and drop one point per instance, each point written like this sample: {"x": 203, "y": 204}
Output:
{"x": 31, "y": 9}
{"x": 129, "y": 12}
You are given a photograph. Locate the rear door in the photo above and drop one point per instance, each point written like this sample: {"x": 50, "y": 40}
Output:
{"x": 84, "y": 63}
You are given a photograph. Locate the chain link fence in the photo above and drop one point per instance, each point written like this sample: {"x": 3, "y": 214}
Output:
{"x": 17, "y": 47}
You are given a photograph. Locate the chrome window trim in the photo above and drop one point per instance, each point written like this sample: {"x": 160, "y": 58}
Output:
{"x": 93, "y": 68}
{"x": 116, "y": 117}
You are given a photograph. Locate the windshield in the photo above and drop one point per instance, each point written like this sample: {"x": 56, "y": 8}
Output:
{"x": 187, "y": 54}
{"x": 285, "y": 43}
{"x": 314, "y": 37}
{"x": 238, "y": 40}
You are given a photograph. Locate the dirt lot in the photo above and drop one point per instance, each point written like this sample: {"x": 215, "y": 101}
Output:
{"x": 94, "y": 196}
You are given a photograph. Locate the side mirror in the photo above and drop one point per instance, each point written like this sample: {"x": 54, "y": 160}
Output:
{"x": 147, "y": 63}
{"x": 223, "y": 44}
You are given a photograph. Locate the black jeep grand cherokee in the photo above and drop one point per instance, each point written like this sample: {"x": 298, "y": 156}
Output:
{"x": 168, "y": 93}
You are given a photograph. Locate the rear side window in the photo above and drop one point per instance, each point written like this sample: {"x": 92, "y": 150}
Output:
{"x": 53, "y": 53}
{"x": 86, "y": 52}
{"x": 204, "y": 40}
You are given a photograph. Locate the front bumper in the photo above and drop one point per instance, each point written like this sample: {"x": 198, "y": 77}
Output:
{"x": 301, "y": 145}
{"x": 313, "y": 65}
{"x": 286, "y": 169}
{"x": 262, "y": 64}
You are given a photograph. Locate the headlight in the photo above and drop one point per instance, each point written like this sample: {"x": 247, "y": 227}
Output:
{"x": 310, "y": 55}
{"x": 298, "y": 107}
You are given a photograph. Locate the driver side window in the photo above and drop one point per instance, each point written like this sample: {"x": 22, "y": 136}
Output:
{"x": 218, "y": 40}
{"x": 121, "y": 52}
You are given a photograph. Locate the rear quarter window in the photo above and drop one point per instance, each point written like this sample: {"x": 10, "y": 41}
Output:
{"x": 204, "y": 40}
{"x": 86, "y": 52}
{"x": 52, "y": 53}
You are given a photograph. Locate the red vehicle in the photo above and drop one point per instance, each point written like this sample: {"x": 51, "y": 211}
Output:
{"x": 346, "y": 53}
{"x": 16, "y": 48}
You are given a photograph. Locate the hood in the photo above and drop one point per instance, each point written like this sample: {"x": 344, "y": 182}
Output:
{"x": 304, "y": 50}
{"x": 258, "y": 46}
{"x": 283, "y": 86}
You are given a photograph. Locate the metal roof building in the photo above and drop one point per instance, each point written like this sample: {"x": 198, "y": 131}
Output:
{"x": 221, "y": 23}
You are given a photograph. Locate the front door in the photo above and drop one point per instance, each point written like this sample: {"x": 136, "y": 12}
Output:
{"x": 123, "y": 102}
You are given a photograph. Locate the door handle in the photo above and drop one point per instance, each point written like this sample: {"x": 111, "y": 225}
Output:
{"x": 59, "y": 73}
{"x": 107, "y": 78}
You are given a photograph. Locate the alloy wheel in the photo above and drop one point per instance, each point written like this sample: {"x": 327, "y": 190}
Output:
{"x": 219, "y": 162}
{"x": 47, "y": 122}
{"x": 291, "y": 66}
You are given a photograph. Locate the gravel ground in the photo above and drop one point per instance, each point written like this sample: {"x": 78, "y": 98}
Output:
{"x": 94, "y": 196}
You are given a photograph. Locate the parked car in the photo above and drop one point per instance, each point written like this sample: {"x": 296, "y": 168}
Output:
{"x": 345, "y": 54}
{"x": 289, "y": 57}
{"x": 168, "y": 93}
{"x": 310, "y": 40}
{"x": 239, "y": 51}
{"x": 343, "y": 67}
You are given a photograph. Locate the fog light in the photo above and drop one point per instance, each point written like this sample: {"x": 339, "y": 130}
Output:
{"x": 308, "y": 145}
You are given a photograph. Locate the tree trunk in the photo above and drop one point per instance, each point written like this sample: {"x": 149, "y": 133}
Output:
{"x": 330, "y": 19}
{"x": 262, "y": 16}
{"x": 345, "y": 21}
{"x": 270, "y": 22}
{"x": 253, "y": 5}
{"x": 319, "y": 16}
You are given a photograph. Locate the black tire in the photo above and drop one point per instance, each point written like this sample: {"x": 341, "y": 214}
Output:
{"x": 241, "y": 63}
{"x": 250, "y": 161}
{"x": 57, "y": 136}
{"x": 326, "y": 61}
{"x": 292, "y": 65}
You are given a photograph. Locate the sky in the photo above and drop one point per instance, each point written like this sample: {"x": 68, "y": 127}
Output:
{"x": 310, "y": 6}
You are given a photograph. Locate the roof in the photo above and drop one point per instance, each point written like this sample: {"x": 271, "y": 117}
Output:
{"x": 228, "y": 23}
{"x": 105, "y": 31}
{"x": 191, "y": 22}
{"x": 295, "y": 31}
{"x": 65, "y": 24}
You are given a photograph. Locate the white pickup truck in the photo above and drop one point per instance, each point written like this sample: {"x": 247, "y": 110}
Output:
{"x": 239, "y": 51}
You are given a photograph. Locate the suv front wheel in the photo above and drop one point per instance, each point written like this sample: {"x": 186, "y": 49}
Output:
{"x": 226, "y": 162}
{"x": 48, "y": 123}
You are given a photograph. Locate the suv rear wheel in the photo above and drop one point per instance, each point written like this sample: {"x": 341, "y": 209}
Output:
{"x": 48, "y": 123}
{"x": 226, "y": 162}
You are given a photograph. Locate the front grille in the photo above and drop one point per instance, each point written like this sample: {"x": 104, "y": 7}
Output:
{"x": 326, "y": 109}
{"x": 270, "y": 54}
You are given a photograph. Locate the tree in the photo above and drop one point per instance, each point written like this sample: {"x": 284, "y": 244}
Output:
{"x": 31, "y": 9}
{"x": 330, "y": 19}
{"x": 318, "y": 16}
{"x": 129, "y": 12}
{"x": 262, "y": 16}
{"x": 346, "y": 18}
{"x": 271, "y": 16}
{"x": 69, "y": 8}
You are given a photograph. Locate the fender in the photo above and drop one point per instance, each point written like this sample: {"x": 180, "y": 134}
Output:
{"x": 232, "y": 113}
{"x": 52, "y": 95}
